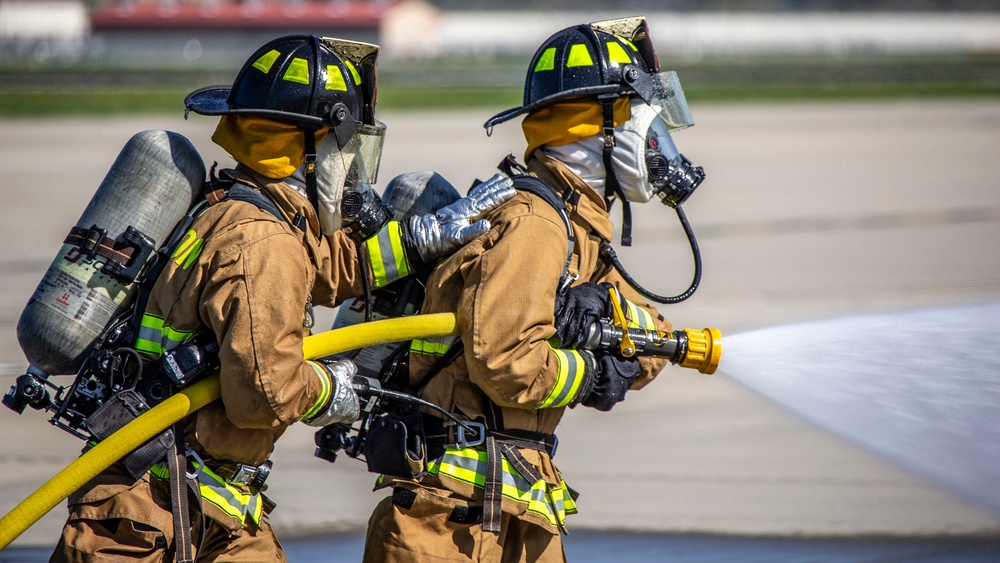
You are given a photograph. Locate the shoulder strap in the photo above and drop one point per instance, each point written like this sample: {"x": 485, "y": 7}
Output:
{"x": 239, "y": 192}
{"x": 548, "y": 194}
{"x": 229, "y": 185}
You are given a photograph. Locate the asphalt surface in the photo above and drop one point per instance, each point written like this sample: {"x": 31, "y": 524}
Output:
{"x": 810, "y": 211}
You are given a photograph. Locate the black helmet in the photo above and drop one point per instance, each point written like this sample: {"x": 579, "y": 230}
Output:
{"x": 607, "y": 58}
{"x": 303, "y": 79}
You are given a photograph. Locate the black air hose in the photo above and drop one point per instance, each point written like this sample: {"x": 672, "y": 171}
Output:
{"x": 608, "y": 253}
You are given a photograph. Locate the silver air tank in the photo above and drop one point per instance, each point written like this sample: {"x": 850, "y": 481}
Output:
{"x": 151, "y": 185}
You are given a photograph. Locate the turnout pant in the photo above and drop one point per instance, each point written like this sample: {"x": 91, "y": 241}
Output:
{"x": 425, "y": 524}
{"x": 116, "y": 518}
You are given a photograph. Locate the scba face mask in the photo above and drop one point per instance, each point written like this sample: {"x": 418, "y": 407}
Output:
{"x": 647, "y": 162}
{"x": 356, "y": 164}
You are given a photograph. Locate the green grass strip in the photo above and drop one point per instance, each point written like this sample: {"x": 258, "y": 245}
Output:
{"x": 159, "y": 101}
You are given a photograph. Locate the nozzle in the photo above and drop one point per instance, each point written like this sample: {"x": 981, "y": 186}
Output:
{"x": 689, "y": 348}
{"x": 704, "y": 350}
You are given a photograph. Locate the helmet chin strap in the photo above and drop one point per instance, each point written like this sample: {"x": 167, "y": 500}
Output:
{"x": 310, "y": 167}
{"x": 612, "y": 188}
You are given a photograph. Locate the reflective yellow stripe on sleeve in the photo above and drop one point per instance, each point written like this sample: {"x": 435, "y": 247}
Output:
{"x": 571, "y": 373}
{"x": 387, "y": 255}
{"x": 324, "y": 394}
{"x": 156, "y": 338}
{"x": 437, "y": 346}
{"x": 639, "y": 317}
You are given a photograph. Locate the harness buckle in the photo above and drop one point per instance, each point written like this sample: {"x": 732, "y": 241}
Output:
{"x": 251, "y": 476}
{"x": 243, "y": 474}
{"x": 196, "y": 462}
{"x": 92, "y": 240}
{"x": 566, "y": 281}
{"x": 460, "y": 440}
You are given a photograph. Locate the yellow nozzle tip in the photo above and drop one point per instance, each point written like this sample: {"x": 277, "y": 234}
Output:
{"x": 704, "y": 350}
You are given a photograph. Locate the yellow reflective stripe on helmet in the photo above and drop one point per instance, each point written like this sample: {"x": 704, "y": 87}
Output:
{"x": 188, "y": 250}
{"x": 354, "y": 72}
{"x": 387, "y": 255}
{"x": 468, "y": 465}
{"x": 547, "y": 61}
{"x": 639, "y": 317}
{"x": 571, "y": 372}
{"x": 617, "y": 54}
{"x": 214, "y": 489}
{"x": 437, "y": 346}
{"x": 324, "y": 394}
{"x": 335, "y": 78}
{"x": 156, "y": 338}
{"x": 266, "y": 60}
{"x": 297, "y": 71}
{"x": 579, "y": 55}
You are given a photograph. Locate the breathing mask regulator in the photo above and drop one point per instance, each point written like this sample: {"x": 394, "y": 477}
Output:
{"x": 344, "y": 173}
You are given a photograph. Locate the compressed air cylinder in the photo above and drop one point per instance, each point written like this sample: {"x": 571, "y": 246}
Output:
{"x": 409, "y": 194}
{"x": 150, "y": 186}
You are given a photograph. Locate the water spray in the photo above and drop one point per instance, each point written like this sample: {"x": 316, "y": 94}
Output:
{"x": 920, "y": 388}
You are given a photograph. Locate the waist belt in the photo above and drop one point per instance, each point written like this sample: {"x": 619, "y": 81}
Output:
{"x": 441, "y": 435}
{"x": 251, "y": 476}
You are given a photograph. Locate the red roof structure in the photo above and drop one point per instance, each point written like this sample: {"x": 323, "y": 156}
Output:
{"x": 230, "y": 15}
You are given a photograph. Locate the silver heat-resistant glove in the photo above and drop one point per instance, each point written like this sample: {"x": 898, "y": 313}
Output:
{"x": 439, "y": 234}
{"x": 344, "y": 405}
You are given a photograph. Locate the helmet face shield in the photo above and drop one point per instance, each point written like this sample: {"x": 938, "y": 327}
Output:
{"x": 663, "y": 92}
{"x": 367, "y": 146}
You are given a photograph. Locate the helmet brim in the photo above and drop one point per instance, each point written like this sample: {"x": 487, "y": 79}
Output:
{"x": 214, "y": 100}
{"x": 210, "y": 100}
{"x": 511, "y": 113}
{"x": 503, "y": 116}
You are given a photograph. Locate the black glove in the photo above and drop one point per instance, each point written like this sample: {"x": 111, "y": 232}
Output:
{"x": 577, "y": 309}
{"x": 612, "y": 379}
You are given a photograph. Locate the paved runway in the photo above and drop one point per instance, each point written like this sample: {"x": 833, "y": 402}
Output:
{"x": 809, "y": 211}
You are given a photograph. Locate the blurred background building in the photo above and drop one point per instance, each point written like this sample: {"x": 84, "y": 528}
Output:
{"x": 478, "y": 47}
{"x": 182, "y": 32}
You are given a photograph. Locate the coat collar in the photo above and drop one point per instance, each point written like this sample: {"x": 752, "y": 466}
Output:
{"x": 590, "y": 206}
{"x": 288, "y": 199}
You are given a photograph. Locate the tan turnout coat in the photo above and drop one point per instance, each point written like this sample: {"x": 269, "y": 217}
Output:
{"x": 247, "y": 277}
{"x": 503, "y": 288}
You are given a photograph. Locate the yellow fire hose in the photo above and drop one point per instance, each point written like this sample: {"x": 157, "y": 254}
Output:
{"x": 160, "y": 417}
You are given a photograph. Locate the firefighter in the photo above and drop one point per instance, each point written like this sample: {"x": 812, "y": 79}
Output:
{"x": 598, "y": 115}
{"x": 299, "y": 121}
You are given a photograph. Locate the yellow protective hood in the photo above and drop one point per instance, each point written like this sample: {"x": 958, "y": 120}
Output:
{"x": 268, "y": 147}
{"x": 568, "y": 122}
